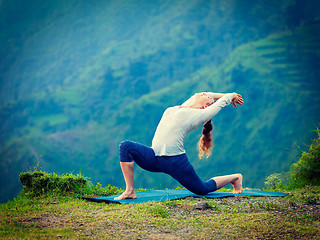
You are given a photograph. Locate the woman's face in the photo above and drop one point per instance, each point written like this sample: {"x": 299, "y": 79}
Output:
{"x": 203, "y": 99}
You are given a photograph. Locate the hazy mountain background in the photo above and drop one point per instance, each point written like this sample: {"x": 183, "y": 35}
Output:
{"x": 78, "y": 77}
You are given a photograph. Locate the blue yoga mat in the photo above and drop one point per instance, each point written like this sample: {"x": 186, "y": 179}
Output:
{"x": 163, "y": 195}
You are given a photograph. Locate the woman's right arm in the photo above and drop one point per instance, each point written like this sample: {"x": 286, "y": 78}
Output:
{"x": 209, "y": 112}
{"x": 215, "y": 96}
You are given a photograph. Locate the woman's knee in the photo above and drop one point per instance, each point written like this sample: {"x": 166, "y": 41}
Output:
{"x": 199, "y": 187}
{"x": 124, "y": 148}
{"x": 196, "y": 186}
{"x": 200, "y": 191}
{"x": 124, "y": 145}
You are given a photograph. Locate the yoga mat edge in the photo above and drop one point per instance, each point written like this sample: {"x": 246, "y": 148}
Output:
{"x": 163, "y": 195}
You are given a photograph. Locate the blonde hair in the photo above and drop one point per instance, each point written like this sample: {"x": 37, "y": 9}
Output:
{"x": 205, "y": 142}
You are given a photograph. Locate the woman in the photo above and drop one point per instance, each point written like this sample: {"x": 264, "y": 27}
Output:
{"x": 167, "y": 153}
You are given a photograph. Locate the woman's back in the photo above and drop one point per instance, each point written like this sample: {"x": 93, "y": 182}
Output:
{"x": 178, "y": 121}
{"x": 174, "y": 125}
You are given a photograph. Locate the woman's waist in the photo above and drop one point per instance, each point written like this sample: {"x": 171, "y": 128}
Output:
{"x": 168, "y": 150}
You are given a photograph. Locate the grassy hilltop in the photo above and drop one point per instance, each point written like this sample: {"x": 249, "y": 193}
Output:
{"x": 53, "y": 216}
{"x": 48, "y": 207}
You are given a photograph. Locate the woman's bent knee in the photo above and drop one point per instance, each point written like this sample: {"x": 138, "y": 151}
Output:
{"x": 124, "y": 148}
{"x": 205, "y": 187}
{"x": 124, "y": 144}
{"x": 200, "y": 192}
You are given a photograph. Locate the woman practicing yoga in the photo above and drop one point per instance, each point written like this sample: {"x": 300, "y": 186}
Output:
{"x": 167, "y": 153}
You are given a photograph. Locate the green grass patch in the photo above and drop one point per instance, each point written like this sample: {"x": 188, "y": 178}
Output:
{"x": 60, "y": 214}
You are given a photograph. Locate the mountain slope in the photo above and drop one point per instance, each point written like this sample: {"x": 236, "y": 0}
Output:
{"x": 55, "y": 44}
{"x": 78, "y": 78}
{"x": 259, "y": 138}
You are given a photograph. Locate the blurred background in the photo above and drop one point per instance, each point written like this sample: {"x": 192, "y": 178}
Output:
{"x": 78, "y": 77}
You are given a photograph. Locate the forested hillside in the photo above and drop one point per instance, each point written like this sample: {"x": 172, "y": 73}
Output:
{"x": 77, "y": 78}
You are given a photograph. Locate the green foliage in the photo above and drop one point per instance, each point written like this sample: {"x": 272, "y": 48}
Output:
{"x": 307, "y": 170}
{"x": 276, "y": 180}
{"x": 307, "y": 195}
{"x": 311, "y": 199}
{"x": 93, "y": 190}
{"x": 269, "y": 206}
{"x": 158, "y": 211}
{"x": 38, "y": 182}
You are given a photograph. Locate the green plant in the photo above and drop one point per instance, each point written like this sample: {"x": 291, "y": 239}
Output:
{"x": 310, "y": 199}
{"x": 307, "y": 170}
{"x": 275, "y": 181}
{"x": 91, "y": 190}
{"x": 38, "y": 182}
{"x": 269, "y": 206}
{"x": 157, "y": 211}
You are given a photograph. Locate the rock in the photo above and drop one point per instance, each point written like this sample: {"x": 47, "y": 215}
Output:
{"x": 201, "y": 205}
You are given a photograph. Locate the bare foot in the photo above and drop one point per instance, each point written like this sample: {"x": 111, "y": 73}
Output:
{"x": 127, "y": 195}
{"x": 237, "y": 185}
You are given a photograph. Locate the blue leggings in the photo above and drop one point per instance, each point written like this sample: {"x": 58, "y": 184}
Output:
{"x": 177, "y": 166}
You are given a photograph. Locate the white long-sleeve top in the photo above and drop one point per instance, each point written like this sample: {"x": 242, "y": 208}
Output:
{"x": 177, "y": 122}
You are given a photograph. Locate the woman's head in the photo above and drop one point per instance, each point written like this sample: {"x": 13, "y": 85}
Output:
{"x": 205, "y": 142}
{"x": 202, "y": 100}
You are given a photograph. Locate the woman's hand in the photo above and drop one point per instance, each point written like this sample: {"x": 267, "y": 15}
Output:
{"x": 236, "y": 99}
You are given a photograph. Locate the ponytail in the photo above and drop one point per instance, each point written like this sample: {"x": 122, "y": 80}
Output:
{"x": 205, "y": 142}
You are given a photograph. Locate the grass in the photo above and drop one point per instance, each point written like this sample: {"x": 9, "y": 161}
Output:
{"x": 52, "y": 216}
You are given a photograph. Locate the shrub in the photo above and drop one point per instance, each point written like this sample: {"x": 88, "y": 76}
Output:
{"x": 307, "y": 170}
{"x": 303, "y": 173}
{"x": 276, "y": 180}
{"x": 92, "y": 190}
{"x": 38, "y": 182}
